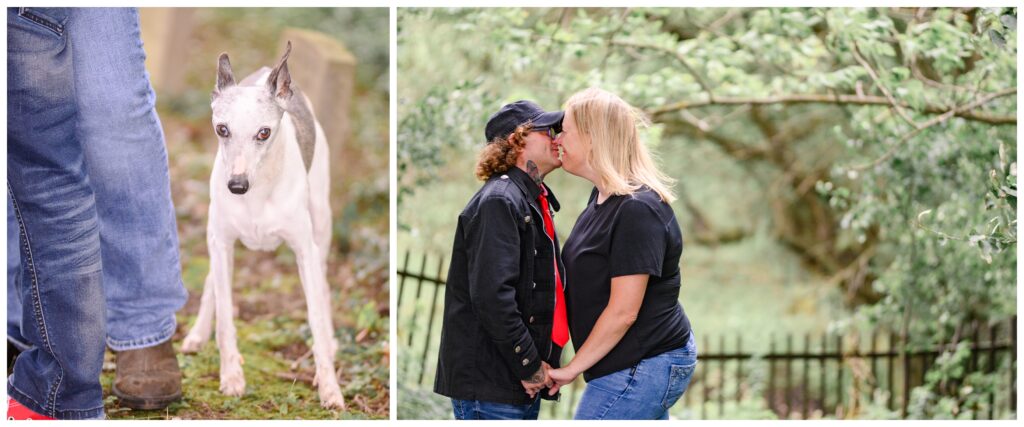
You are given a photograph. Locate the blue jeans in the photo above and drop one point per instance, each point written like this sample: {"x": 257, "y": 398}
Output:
{"x": 480, "y": 410}
{"x": 89, "y": 186}
{"x": 644, "y": 392}
{"x": 13, "y": 283}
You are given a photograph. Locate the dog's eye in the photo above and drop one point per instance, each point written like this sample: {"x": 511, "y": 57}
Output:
{"x": 223, "y": 131}
{"x": 263, "y": 134}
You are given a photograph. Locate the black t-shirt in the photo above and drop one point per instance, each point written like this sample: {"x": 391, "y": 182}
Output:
{"x": 623, "y": 236}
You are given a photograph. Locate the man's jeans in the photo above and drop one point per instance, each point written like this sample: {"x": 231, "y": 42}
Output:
{"x": 13, "y": 286}
{"x": 480, "y": 410}
{"x": 644, "y": 392}
{"x": 89, "y": 186}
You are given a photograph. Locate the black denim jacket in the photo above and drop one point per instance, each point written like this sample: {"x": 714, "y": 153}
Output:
{"x": 500, "y": 297}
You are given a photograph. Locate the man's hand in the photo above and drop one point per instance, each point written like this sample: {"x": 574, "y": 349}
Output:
{"x": 538, "y": 380}
{"x": 560, "y": 377}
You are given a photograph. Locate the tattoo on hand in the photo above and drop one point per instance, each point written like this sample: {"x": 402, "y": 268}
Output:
{"x": 531, "y": 169}
{"x": 538, "y": 377}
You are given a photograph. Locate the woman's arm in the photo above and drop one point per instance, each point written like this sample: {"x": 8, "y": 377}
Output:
{"x": 627, "y": 293}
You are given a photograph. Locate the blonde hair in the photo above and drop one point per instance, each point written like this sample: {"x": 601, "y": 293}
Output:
{"x": 608, "y": 126}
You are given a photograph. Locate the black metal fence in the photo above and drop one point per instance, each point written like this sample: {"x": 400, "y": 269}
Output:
{"x": 835, "y": 375}
{"x": 797, "y": 377}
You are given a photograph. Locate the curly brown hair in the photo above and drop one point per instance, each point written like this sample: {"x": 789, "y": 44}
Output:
{"x": 501, "y": 154}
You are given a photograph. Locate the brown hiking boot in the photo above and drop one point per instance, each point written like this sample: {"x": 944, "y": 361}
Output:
{"x": 148, "y": 378}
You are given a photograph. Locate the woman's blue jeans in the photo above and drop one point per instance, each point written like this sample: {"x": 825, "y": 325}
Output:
{"x": 89, "y": 189}
{"x": 645, "y": 391}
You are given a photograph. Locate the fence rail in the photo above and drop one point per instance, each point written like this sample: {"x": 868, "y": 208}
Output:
{"x": 827, "y": 375}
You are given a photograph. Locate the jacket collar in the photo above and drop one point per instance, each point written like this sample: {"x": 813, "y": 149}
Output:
{"x": 530, "y": 188}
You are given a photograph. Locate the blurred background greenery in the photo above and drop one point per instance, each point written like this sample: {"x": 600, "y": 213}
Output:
{"x": 842, "y": 171}
{"x": 271, "y": 317}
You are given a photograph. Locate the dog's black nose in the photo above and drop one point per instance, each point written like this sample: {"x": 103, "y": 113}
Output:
{"x": 238, "y": 184}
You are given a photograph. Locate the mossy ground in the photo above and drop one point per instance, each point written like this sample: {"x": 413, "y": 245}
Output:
{"x": 274, "y": 339}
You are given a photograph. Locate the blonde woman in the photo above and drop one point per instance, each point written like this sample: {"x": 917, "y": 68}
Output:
{"x": 633, "y": 341}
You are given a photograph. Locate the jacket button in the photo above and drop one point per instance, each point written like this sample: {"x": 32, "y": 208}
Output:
{"x": 534, "y": 252}
{"x": 526, "y": 362}
{"x": 531, "y": 319}
{"x": 534, "y": 285}
{"x": 518, "y": 349}
{"x": 527, "y": 219}
{"x": 504, "y": 177}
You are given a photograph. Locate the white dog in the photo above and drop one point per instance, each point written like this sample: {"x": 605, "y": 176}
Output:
{"x": 269, "y": 185}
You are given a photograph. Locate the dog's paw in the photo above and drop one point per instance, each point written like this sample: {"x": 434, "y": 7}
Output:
{"x": 327, "y": 386}
{"x": 191, "y": 344}
{"x": 331, "y": 398}
{"x": 232, "y": 381}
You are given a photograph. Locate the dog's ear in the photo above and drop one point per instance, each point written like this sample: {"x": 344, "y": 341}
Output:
{"x": 279, "y": 82}
{"x": 225, "y": 78}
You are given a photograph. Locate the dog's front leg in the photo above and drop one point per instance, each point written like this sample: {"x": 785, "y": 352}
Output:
{"x": 314, "y": 285}
{"x": 203, "y": 327}
{"x": 232, "y": 381}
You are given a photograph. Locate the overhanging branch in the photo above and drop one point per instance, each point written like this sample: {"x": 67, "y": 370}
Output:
{"x": 878, "y": 82}
{"x": 934, "y": 121}
{"x": 733, "y": 148}
{"x": 837, "y": 99}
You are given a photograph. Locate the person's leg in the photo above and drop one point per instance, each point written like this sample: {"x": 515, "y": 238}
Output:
{"x": 602, "y": 394}
{"x": 13, "y": 286}
{"x": 533, "y": 412}
{"x": 481, "y": 410}
{"x": 644, "y": 392}
{"x": 127, "y": 164}
{"x": 15, "y": 342}
{"x": 680, "y": 364}
{"x": 63, "y": 316}
{"x": 459, "y": 409}
{"x": 507, "y": 411}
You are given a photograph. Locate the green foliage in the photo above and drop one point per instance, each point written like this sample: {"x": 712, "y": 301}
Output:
{"x": 909, "y": 208}
{"x": 420, "y": 404}
{"x": 362, "y": 30}
{"x": 444, "y": 118}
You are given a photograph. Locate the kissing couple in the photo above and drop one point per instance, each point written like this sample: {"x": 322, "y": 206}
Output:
{"x": 514, "y": 296}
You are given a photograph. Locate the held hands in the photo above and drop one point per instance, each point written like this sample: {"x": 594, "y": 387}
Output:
{"x": 560, "y": 377}
{"x": 538, "y": 381}
{"x": 550, "y": 378}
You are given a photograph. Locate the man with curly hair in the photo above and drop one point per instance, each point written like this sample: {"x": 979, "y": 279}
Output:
{"x": 504, "y": 315}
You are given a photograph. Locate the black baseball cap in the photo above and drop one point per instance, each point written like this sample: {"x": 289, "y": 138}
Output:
{"x": 511, "y": 116}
